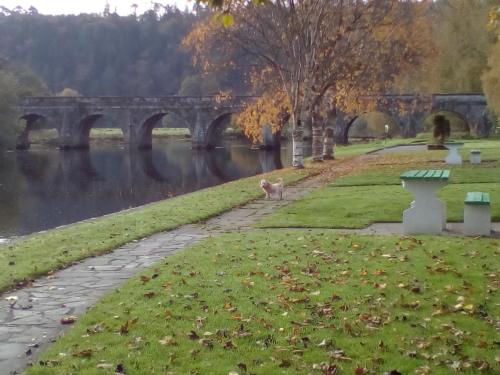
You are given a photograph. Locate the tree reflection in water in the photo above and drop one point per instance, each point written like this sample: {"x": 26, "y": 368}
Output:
{"x": 45, "y": 188}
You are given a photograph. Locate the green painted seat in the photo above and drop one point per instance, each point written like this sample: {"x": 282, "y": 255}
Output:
{"x": 477, "y": 198}
{"x": 426, "y": 174}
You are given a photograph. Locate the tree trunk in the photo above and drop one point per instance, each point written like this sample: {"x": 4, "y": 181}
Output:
{"x": 341, "y": 129}
{"x": 317, "y": 138}
{"x": 307, "y": 129}
{"x": 328, "y": 153}
{"x": 297, "y": 145}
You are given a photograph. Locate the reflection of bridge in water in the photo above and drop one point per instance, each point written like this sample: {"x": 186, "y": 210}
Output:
{"x": 73, "y": 117}
{"x": 56, "y": 188}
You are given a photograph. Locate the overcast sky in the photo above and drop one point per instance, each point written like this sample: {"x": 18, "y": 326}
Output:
{"x": 123, "y": 7}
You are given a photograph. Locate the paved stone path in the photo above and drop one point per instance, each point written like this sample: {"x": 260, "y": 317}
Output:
{"x": 30, "y": 323}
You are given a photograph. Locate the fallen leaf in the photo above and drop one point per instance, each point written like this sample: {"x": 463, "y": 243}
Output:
{"x": 192, "y": 335}
{"x": 85, "y": 353}
{"x": 168, "y": 340}
{"x": 105, "y": 365}
{"x": 70, "y": 319}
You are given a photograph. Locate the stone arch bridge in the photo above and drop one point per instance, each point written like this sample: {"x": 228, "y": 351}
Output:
{"x": 73, "y": 117}
{"x": 206, "y": 117}
{"x": 410, "y": 110}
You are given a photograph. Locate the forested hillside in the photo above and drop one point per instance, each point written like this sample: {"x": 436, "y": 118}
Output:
{"x": 106, "y": 54}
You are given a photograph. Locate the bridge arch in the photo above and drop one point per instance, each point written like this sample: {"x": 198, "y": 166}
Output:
{"x": 371, "y": 124}
{"x": 84, "y": 127}
{"x": 450, "y": 115}
{"x": 144, "y": 134}
{"x": 216, "y": 128}
{"x": 34, "y": 121}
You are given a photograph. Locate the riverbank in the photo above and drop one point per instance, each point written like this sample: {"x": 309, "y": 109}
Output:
{"x": 34, "y": 255}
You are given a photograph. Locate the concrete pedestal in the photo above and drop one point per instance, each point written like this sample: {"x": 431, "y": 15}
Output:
{"x": 477, "y": 220}
{"x": 475, "y": 157}
{"x": 427, "y": 214}
{"x": 453, "y": 156}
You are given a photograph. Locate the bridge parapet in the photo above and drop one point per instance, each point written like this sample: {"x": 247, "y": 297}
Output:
{"x": 171, "y": 102}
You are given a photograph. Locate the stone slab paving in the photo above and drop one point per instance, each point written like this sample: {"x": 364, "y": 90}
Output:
{"x": 30, "y": 323}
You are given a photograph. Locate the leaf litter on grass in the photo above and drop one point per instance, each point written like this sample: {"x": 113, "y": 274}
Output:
{"x": 300, "y": 302}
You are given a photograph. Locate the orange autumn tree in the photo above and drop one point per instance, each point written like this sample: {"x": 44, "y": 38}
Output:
{"x": 391, "y": 40}
{"x": 313, "y": 47}
{"x": 491, "y": 77}
{"x": 269, "y": 109}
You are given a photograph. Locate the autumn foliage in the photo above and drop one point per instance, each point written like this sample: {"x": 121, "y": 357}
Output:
{"x": 272, "y": 110}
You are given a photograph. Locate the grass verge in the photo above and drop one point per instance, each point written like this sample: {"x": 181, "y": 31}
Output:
{"x": 296, "y": 302}
{"x": 375, "y": 194}
{"x": 37, "y": 254}
{"x": 360, "y": 206}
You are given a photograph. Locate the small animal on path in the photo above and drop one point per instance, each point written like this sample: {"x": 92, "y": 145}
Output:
{"x": 270, "y": 189}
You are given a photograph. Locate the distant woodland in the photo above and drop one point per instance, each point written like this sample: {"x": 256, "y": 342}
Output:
{"x": 107, "y": 54}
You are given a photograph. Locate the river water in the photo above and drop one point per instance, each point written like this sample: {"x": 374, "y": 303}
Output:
{"x": 44, "y": 187}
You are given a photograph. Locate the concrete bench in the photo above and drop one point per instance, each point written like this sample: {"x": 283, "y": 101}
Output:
{"x": 477, "y": 214}
{"x": 453, "y": 156}
{"x": 475, "y": 156}
{"x": 427, "y": 214}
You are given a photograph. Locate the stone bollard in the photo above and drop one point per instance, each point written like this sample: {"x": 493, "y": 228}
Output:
{"x": 328, "y": 152}
{"x": 475, "y": 157}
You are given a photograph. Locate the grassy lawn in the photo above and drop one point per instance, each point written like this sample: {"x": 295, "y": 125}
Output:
{"x": 112, "y": 133}
{"x": 359, "y": 206}
{"x": 297, "y": 302}
{"x": 35, "y": 255}
{"x": 375, "y": 194}
{"x": 51, "y": 135}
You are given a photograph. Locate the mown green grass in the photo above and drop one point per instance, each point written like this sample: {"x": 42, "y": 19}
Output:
{"x": 360, "y": 206}
{"x": 51, "y": 135}
{"x": 296, "y": 302}
{"x": 375, "y": 194}
{"x": 389, "y": 174}
{"x": 113, "y": 133}
{"x": 362, "y": 148}
{"x": 37, "y": 254}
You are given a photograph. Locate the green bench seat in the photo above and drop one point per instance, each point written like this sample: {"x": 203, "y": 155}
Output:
{"x": 477, "y": 198}
{"x": 425, "y": 174}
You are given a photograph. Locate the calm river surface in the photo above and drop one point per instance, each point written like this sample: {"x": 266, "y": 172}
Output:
{"x": 44, "y": 187}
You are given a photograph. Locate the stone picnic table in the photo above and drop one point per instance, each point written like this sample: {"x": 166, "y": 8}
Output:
{"x": 453, "y": 156}
{"x": 427, "y": 214}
